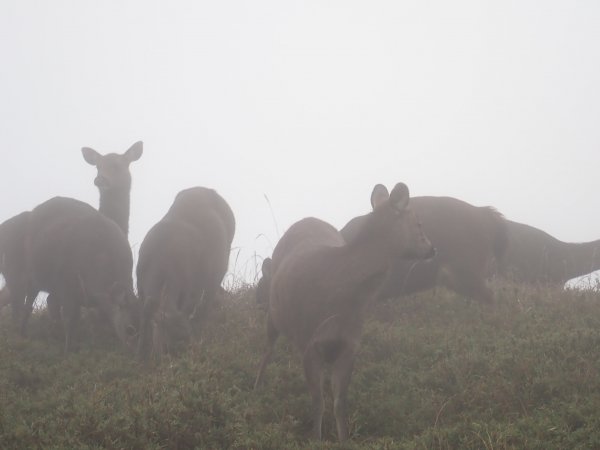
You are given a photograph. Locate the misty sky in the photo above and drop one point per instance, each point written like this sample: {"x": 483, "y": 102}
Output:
{"x": 308, "y": 104}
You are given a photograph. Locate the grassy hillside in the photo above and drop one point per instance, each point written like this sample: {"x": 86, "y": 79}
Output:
{"x": 434, "y": 371}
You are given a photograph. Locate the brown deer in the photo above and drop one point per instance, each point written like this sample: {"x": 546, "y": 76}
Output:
{"x": 308, "y": 231}
{"x": 468, "y": 240}
{"x": 12, "y": 263}
{"x": 114, "y": 181}
{"x": 319, "y": 292}
{"x": 82, "y": 258}
{"x": 534, "y": 256}
{"x": 181, "y": 265}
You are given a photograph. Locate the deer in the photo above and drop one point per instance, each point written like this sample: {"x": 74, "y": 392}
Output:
{"x": 536, "y": 257}
{"x": 114, "y": 181}
{"x": 12, "y": 263}
{"x": 470, "y": 242}
{"x": 182, "y": 262}
{"x": 319, "y": 293}
{"x": 78, "y": 255}
{"x": 307, "y": 231}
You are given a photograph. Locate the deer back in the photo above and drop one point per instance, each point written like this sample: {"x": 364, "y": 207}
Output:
{"x": 306, "y": 232}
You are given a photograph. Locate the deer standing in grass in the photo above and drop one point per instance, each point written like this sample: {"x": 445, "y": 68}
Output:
{"x": 468, "y": 240}
{"x": 181, "y": 265}
{"x": 319, "y": 292}
{"x": 83, "y": 258}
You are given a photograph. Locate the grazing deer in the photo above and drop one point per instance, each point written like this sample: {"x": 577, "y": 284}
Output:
{"x": 534, "y": 256}
{"x": 468, "y": 240}
{"x": 182, "y": 262}
{"x": 319, "y": 292}
{"x": 82, "y": 258}
{"x": 114, "y": 181}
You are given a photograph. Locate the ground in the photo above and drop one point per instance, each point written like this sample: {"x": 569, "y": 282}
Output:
{"x": 434, "y": 371}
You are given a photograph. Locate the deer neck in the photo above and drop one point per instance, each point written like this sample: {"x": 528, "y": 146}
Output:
{"x": 363, "y": 269}
{"x": 114, "y": 204}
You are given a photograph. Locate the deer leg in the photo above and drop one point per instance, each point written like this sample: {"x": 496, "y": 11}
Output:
{"x": 341, "y": 372}
{"x": 27, "y": 310}
{"x": 4, "y": 297}
{"x": 71, "y": 312}
{"x": 272, "y": 335}
{"x": 53, "y": 306}
{"x": 313, "y": 371}
{"x": 16, "y": 297}
{"x": 145, "y": 339}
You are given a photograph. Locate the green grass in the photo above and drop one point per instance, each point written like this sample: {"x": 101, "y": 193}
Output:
{"x": 434, "y": 372}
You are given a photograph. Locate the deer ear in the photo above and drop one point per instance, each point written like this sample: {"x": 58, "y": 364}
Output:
{"x": 135, "y": 151}
{"x": 400, "y": 196}
{"x": 90, "y": 155}
{"x": 267, "y": 267}
{"x": 379, "y": 195}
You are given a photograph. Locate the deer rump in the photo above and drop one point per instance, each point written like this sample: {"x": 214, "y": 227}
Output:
{"x": 182, "y": 262}
{"x": 80, "y": 258}
{"x": 468, "y": 240}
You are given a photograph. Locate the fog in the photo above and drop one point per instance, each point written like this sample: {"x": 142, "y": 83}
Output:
{"x": 295, "y": 109}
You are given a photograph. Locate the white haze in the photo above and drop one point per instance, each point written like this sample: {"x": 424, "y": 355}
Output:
{"x": 308, "y": 104}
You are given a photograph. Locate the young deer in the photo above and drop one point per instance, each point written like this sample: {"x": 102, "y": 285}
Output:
{"x": 319, "y": 292}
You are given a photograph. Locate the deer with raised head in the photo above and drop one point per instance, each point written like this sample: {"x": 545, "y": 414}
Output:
{"x": 82, "y": 258}
{"x": 469, "y": 241}
{"x": 534, "y": 256}
{"x": 319, "y": 293}
{"x": 182, "y": 262}
{"x": 114, "y": 181}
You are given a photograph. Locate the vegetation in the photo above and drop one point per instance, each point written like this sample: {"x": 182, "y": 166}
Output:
{"x": 434, "y": 372}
